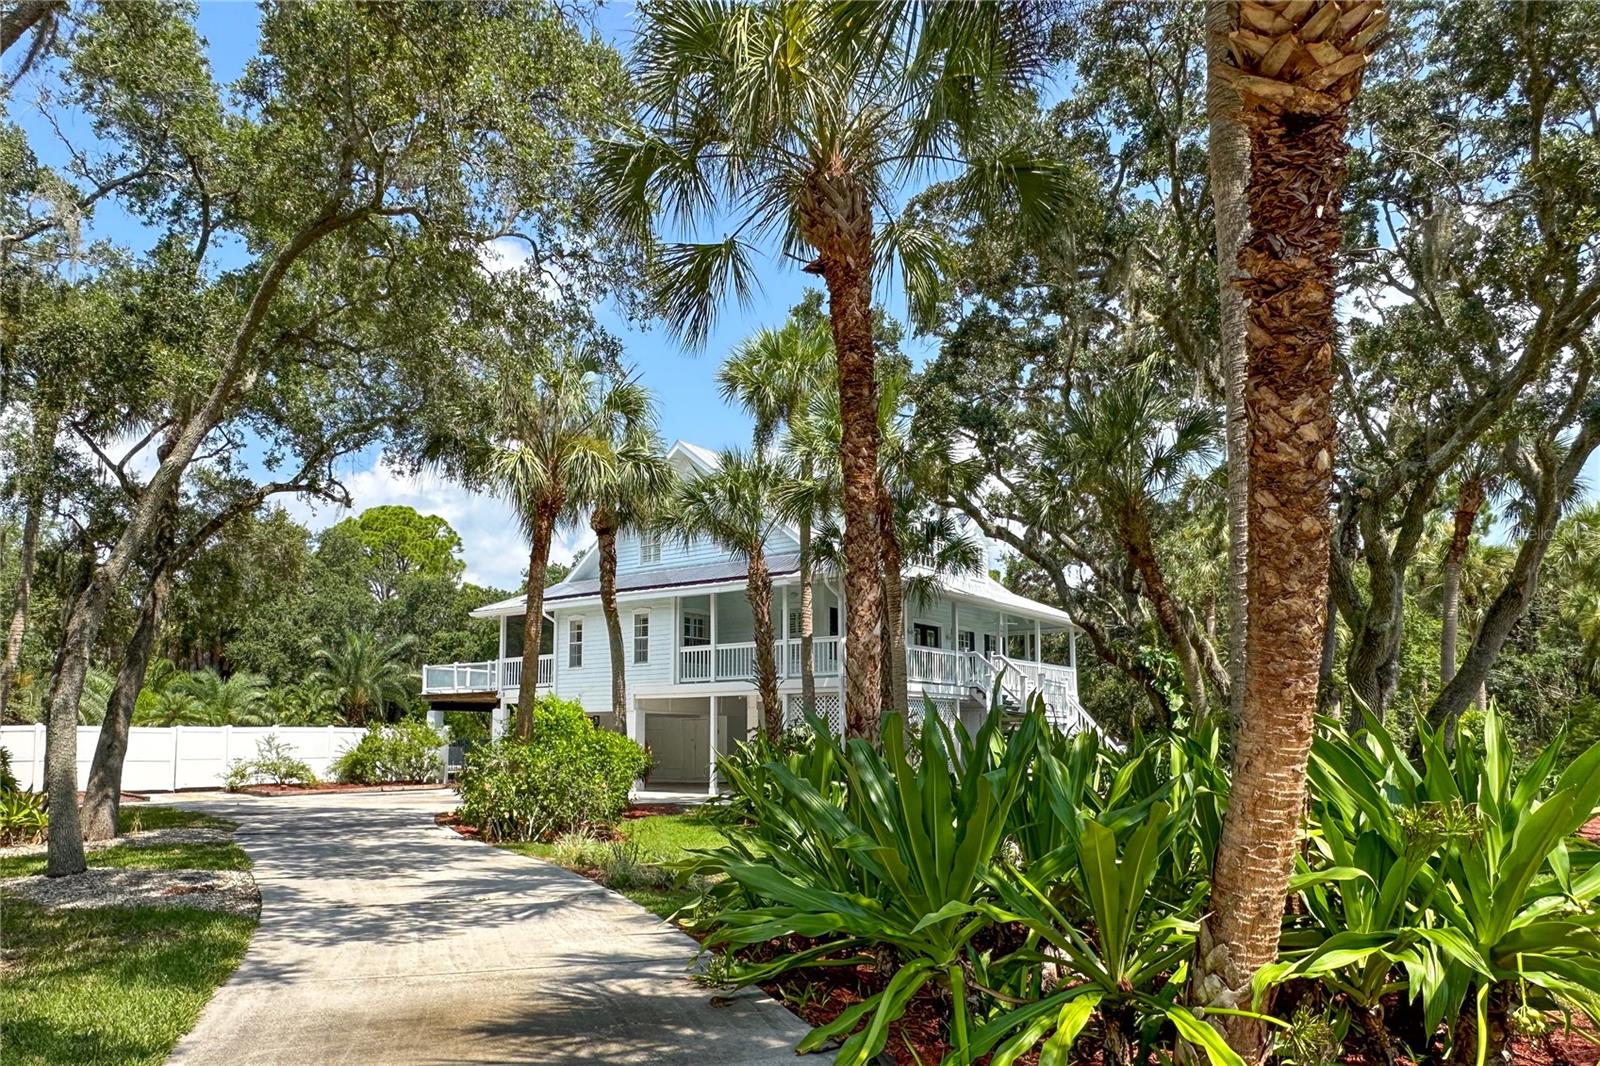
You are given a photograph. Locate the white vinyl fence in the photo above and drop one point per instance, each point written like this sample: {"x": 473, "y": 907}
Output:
{"x": 167, "y": 758}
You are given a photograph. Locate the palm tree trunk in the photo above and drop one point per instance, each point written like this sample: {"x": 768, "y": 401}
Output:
{"x": 1466, "y": 516}
{"x": 1141, "y": 550}
{"x": 808, "y": 669}
{"x": 1295, "y": 105}
{"x": 1229, "y": 150}
{"x": 896, "y": 678}
{"x": 102, "y": 794}
{"x": 836, "y": 217}
{"x": 544, "y": 527}
{"x": 758, "y": 591}
{"x": 605, "y": 530}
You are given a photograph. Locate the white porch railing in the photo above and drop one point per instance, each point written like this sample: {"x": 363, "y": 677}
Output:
{"x": 956, "y": 669}
{"x": 737, "y": 662}
{"x": 488, "y": 676}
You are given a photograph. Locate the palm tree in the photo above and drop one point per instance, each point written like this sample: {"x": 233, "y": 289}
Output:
{"x": 775, "y": 375}
{"x": 170, "y": 706}
{"x": 557, "y": 418}
{"x": 364, "y": 673}
{"x": 1125, "y": 446}
{"x": 234, "y": 700}
{"x": 1297, "y": 66}
{"x": 735, "y": 507}
{"x": 633, "y": 486}
{"x": 804, "y": 117}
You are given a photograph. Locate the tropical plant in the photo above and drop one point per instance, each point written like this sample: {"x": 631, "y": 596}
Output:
{"x": 364, "y": 673}
{"x": 168, "y": 707}
{"x": 803, "y": 116}
{"x": 274, "y": 762}
{"x": 852, "y": 848}
{"x": 557, "y": 421}
{"x": 1459, "y": 883}
{"x": 735, "y": 506}
{"x": 24, "y": 817}
{"x": 232, "y": 700}
{"x": 1297, "y": 71}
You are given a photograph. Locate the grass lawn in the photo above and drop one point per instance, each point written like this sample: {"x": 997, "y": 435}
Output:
{"x": 634, "y": 866}
{"x": 130, "y": 856}
{"x": 114, "y": 986}
{"x": 134, "y": 817}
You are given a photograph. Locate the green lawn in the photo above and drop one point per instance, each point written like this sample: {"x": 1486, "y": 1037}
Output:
{"x": 114, "y": 986}
{"x": 635, "y": 867}
{"x": 133, "y": 817}
{"x": 131, "y": 856}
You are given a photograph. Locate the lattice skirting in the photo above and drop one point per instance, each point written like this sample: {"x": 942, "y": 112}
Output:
{"x": 830, "y": 708}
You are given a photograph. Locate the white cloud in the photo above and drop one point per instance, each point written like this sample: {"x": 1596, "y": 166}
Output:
{"x": 494, "y": 548}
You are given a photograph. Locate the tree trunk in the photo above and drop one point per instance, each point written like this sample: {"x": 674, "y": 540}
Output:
{"x": 836, "y": 219}
{"x": 808, "y": 668}
{"x": 1229, "y": 155}
{"x": 1294, "y": 107}
{"x": 1466, "y": 516}
{"x": 47, "y": 421}
{"x": 1141, "y": 550}
{"x": 605, "y": 530}
{"x": 758, "y": 591}
{"x": 102, "y": 793}
{"x": 895, "y": 667}
{"x": 27, "y": 552}
{"x": 544, "y": 526}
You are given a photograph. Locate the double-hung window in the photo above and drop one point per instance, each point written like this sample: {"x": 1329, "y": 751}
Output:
{"x": 649, "y": 548}
{"x": 641, "y": 637}
{"x": 575, "y": 643}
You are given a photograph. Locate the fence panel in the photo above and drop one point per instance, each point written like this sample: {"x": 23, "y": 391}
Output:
{"x": 163, "y": 758}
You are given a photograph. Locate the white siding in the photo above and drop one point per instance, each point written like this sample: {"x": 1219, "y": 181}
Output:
{"x": 590, "y": 684}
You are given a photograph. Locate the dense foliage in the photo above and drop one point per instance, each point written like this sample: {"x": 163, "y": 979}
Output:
{"x": 567, "y": 774}
{"x": 1044, "y": 886}
{"x": 405, "y": 751}
{"x": 274, "y": 763}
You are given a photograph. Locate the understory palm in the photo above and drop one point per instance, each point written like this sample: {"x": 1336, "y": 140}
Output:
{"x": 364, "y": 674}
{"x": 736, "y": 507}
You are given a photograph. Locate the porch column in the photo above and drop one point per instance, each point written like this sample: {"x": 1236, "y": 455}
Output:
{"x": 497, "y": 721}
{"x": 711, "y": 770}
{"x": 713, "y": 597}
{"x": 1072, "y": 647}
{"x": 435, "y": 720}
{"x": 783, "y": 660}
{"x": 500, "y": 663}
{"x": 1038, "y": 645}
{"x": 635, "y": 719}
{"x": 1004, "y": 648}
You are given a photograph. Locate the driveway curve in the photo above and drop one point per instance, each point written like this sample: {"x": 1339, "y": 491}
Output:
{"x": 387, "y": 940}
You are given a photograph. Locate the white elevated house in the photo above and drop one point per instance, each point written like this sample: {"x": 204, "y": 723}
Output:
{"x": 688, "y": 634}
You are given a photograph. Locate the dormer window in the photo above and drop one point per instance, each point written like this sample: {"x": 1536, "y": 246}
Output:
{"x": 649, "y": 548}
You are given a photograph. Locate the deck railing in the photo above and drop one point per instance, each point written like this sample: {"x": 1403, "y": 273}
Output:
{"x": 488, "y": 676}
{"x": 737, "y": 662}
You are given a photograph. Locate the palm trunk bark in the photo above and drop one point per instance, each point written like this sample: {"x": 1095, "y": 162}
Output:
{"x": 1294, "y": 106}
{"x": 605, "y": 530}
{"x": 1468, "y": 504}
{"x": 895, "y": 667}
{"x": 836, "y": 218}
{"x": 1228, "y": 147}
{"x": 102, "y": 794}
{"x": 808, "y": 668}
{"x": 758, "y": 592}
{"x": 1141, "y": 550}
{"x": 544, "y": 526}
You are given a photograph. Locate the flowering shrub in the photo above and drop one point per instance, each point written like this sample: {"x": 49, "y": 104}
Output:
{"x": 405, "y": 751}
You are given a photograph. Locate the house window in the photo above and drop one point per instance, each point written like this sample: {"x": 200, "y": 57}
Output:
{"x": 794, "y": 624}
{"x": 641, "y": 637}
{"x": 966, "y": 640}
{"x": 833, "y": 621}
{"x": 988, "y": 644}
{"x": 696, "y": 630}
{"x": 649, "y": 548}
{"x": 924, "y": 635}
{"x": 575, "y": 643}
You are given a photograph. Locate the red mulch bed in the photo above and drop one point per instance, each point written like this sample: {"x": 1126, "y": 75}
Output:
{"x": 648, "y": 810}
{"x": 297, "y": 790}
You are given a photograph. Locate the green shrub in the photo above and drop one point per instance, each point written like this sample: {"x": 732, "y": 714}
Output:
{"x": 275, "y": 763}
{"x": 568, "y": 775}
{"x": 406, "y": 751}
{"x": 23, "y": 817}
{"x": 8, "y": 779}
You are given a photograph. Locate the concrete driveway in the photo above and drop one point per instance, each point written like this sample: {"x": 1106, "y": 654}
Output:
{"x": 385, "y": 939}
